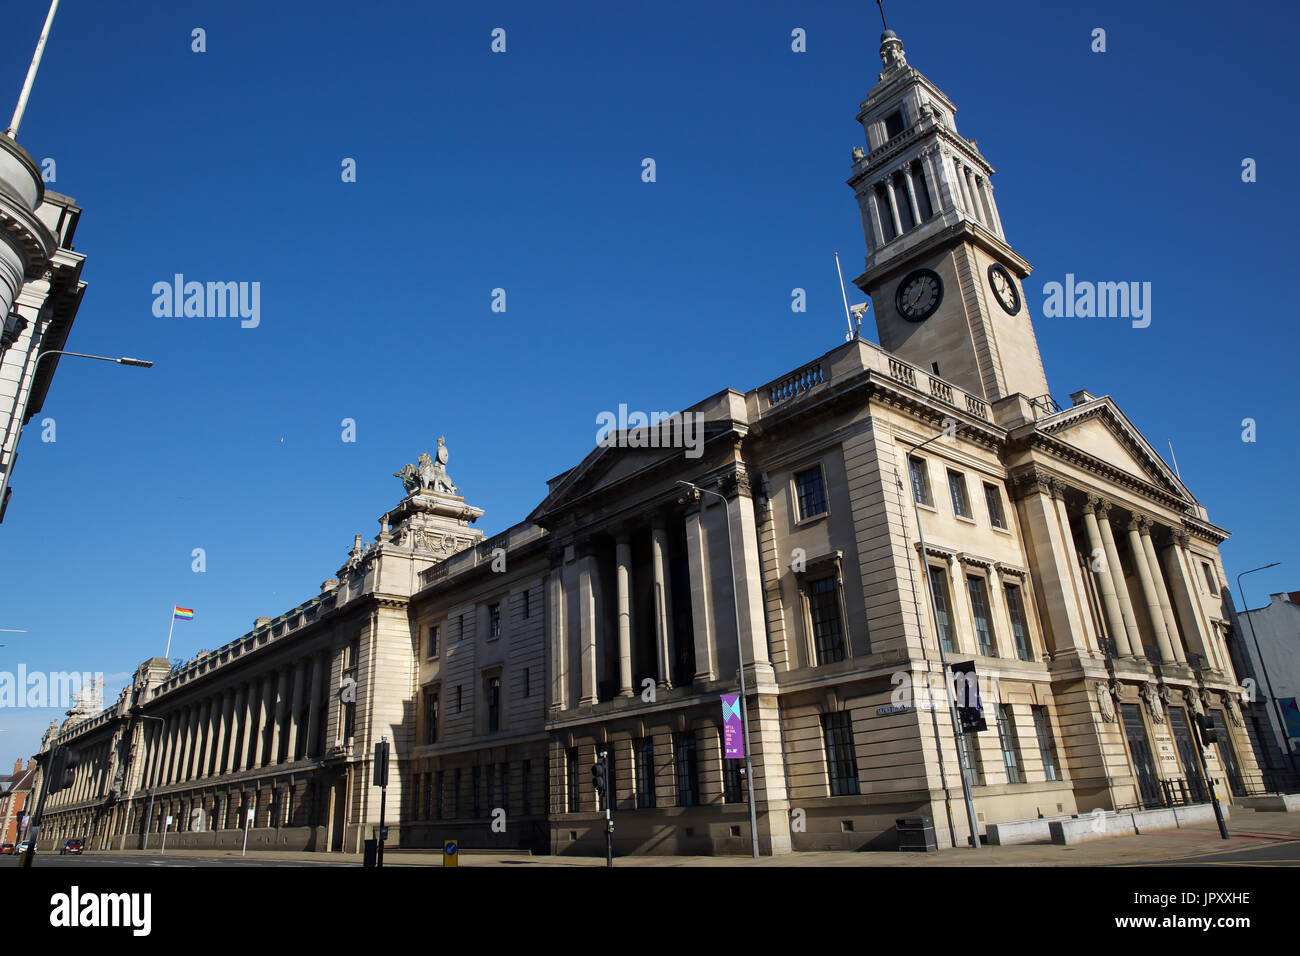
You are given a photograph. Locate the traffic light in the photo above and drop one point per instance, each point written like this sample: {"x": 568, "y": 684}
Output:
{"x": 966, "y": 691}
{"x": 62, "y": 769}
{"x": 1205, "y": 723}
{"x": 600, "y": 776}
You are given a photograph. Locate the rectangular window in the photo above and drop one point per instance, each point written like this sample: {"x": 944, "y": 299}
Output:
{"x": 1010, "y": 744}
{"x": 455, "y": 794}
{"x": 571, "y": 779}
{"x": 494, "y": 622}
{"x": 460, "y": 698}
{"x": 476, "y": 780}
{"x": 893, "y": 124}
{"x": 526, "y": 787}
{"x": 920, "y": 481}
{"x": 1019, "y": 629}
{"x": 504, "y": 789}
{"x": 979, "y": 603}
{"x": 1209, "y": 578}
{"x": 994, "y": 498}
{"x": 733, "y": 790}
{"x": 528, "y": 687}
{"x": 433, "y": 641}
{"x": 494, "y": 704}
{"x": 942, "y": 612}
{"x": 437, "y": 795}
{"x": 431, "y": 717}
{"x": 828, "y": 630}
{"x": 645, "y": 773}
{"x": 687, "y": 770}
{"x": 527, "y": 604}
{"x": 464, "y": 627}
{"x": 968, "y": 750}
{"x": 811, "y": 491}
{"x": 841, "y": 760}
{"x": 491, "y": 787}
{"x": 1046, "y": 743}
{"x": 957, "y": 485}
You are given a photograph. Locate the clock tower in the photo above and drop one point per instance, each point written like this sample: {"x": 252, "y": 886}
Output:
{"x": 944, "y": 283}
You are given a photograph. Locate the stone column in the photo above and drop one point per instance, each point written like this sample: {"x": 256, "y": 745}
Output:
{"x": 911, "y": 193}
{"x": 623, "y": 572}
{"x": 1117, "y": 576}
{"x": 313, "y": 705}
{"x": 1106, "y": 579}
{"x": 663, "y": 599}
{"x": 558, "y": 633}
{"x": 1187, "y": 600}
{"x": 1149, "y": 594}
{"x": 295, "y": 713}
{"x": 747, "y": 568}
{"x": 1075, "y": 583}
{"x": 1050, "y": 548}
{"x": 223, "y": 719}
{"x": 877, "y": 229}
{"x": 697, "y": 555}
{"x": 963, "y": 626}
{"x": 587, "y": 622}
{"x": 257, "y": 723}
{"x": 206, "y": 725}
{"x": 1004, "y": 639}
{"x": 191, "y": 741}
{"x": 893, "y": 205}
{"x": 281, "y": 702}
{"x": 168, "y": 749}
{"x": 1162, "y": 593}
{"x": 233, "y": 737}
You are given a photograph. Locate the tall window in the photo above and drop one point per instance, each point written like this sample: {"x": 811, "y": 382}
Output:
{"x": 920, "y": 481}
{"x": 968, "y": 751}
{"x": 455, "y": 794}
{"x": 491, "y": 787}
{"x": 1019, "y": 630}
{"x": 994, "y": 499}
{"x": 957, "y": 485}
{"x": 350, "y": 657}
{"x": 460, "y": 698}
{"x": 431, "y": 717}
{"x": 1010, "y": 744}
{"x": 464, "y": 627}
{"x": 528, "y": 687}
{"x": 476, "y": 779}
{"x": 1046, "y": 744}
{"x": 841, "y": 760}
{"x": 645, "y": 773}
{"x": 942, "y": 610}
{"x": 893, "y": 124}
{"x": 494, "y": 622}
{"x": 979, "y": 602}
{"x": 526, "y": 787}
{"x": 828, "y": 630}
{"x": 571, "y": 779}
{"x": 687, "y": 770}
{"x": 437, "y": 795}
{"x": 527, "y": 609}
{"x": 811, "y": 491}
{"x": 433, "y": 641}
{"x": 494, "y": 704}
{"x": 1209, "y": 578}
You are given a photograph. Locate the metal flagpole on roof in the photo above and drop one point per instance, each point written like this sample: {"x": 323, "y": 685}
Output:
{"x": 12, "y": 131}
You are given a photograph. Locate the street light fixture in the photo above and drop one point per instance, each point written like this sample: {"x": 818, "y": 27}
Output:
{"x": 943, "y": 659}
{"x": 740, "y": 662}
{"x": 9, "y": 466}
{"x": 1259, "y": 655}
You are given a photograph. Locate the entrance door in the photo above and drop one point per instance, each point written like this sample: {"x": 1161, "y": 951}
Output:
{"x": 338, "y": 811}
{"x": 1229, "y": 756}
{"x": 1187, "y": 754}
{"x": 1140, "y": 751}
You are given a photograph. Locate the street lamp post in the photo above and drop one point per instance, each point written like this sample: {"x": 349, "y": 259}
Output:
{"x": 740, "y": 661}
{"x": 22, "y": 413}
{"x": 1259, "y": 655}
{"x": 943, "y": 662}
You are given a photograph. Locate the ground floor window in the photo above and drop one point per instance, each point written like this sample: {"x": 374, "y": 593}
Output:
{"x": 841, "y": 760}
{"x": 687, "y": 770}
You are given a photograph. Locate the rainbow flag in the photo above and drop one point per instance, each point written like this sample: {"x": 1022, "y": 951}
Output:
{"x": 182, "y": 613}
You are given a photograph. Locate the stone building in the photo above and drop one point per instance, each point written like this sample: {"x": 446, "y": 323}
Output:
{"x": 1267, "y": 652}
{"x": 40, "y": 293}
{"x": 15, "y": 794}
{"x": 1062, "y": 557}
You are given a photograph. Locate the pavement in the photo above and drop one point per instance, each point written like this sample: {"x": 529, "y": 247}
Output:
{"x": 1257, "y": 839}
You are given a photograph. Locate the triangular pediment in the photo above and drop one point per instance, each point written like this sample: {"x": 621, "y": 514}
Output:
{"x": 1101, "y": 431}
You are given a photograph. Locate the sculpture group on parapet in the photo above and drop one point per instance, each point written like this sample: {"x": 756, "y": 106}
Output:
{"x": 428, "y": 474}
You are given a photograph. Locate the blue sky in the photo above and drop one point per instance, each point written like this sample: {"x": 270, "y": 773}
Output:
{"x": 522, "y": 171}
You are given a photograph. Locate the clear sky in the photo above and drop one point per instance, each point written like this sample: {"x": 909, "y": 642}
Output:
{"x": 522, "y": 171}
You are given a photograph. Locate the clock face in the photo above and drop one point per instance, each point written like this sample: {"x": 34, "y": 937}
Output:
{"x": 918, "y": 295}
{"x": 1004, "y": 289}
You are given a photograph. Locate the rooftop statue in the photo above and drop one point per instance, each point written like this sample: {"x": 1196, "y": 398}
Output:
{"x": 428, "y": 474}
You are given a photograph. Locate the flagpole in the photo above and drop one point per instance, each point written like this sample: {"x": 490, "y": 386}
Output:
{"x": 12, "y": 132}
{"x": 168, "y": 655}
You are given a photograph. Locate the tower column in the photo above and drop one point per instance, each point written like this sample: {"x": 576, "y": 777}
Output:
{"x": 623, "y": 571}
{"x": 558, "y": 634}
{"x": 313, "y": 704}
{"x": 1162, "y": 593}
{"x": 1109, "y": 599}
{"x": 911, "y": 193}
{"x": 1149, "y": 591}
{"x": 587, "y": 622}
{"x": 697, "y": 556}
{"x": 223, "y": 719}
{"x": 231, "y": 758}
{"x": 893, "y": 205}
{"x": 1117, "y": 577}
{"x": 295, "y": 713}
{"x": 281, "y": 709}
{"x": 663, "y": 604}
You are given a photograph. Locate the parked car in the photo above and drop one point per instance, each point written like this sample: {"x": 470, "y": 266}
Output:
{"x": 74, "y": 846}
{"x": 6, "y": 849}
{"x": 22, "y": 847}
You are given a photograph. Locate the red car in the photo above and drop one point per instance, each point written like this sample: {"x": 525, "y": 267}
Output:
{"x": 6, "y": 849}
{"x": 73, "y": 846}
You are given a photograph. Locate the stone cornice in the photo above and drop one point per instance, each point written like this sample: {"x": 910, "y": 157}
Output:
{"x": 1080, "y": 459}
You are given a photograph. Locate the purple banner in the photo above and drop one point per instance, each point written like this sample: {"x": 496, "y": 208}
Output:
{"x": 733, "y": 737}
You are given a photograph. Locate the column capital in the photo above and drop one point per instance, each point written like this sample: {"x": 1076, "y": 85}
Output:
{"x": 1134, "y": 523}
{"x": 1181, "y": 537}
{"x": 1100, "y": 505}
{"x": 555, "y": 557}
{"x": 1058, "y": 488}
{"x": 736, "y": 483}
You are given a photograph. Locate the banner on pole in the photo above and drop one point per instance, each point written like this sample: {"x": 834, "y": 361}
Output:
{"x": 733, "y": 736}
